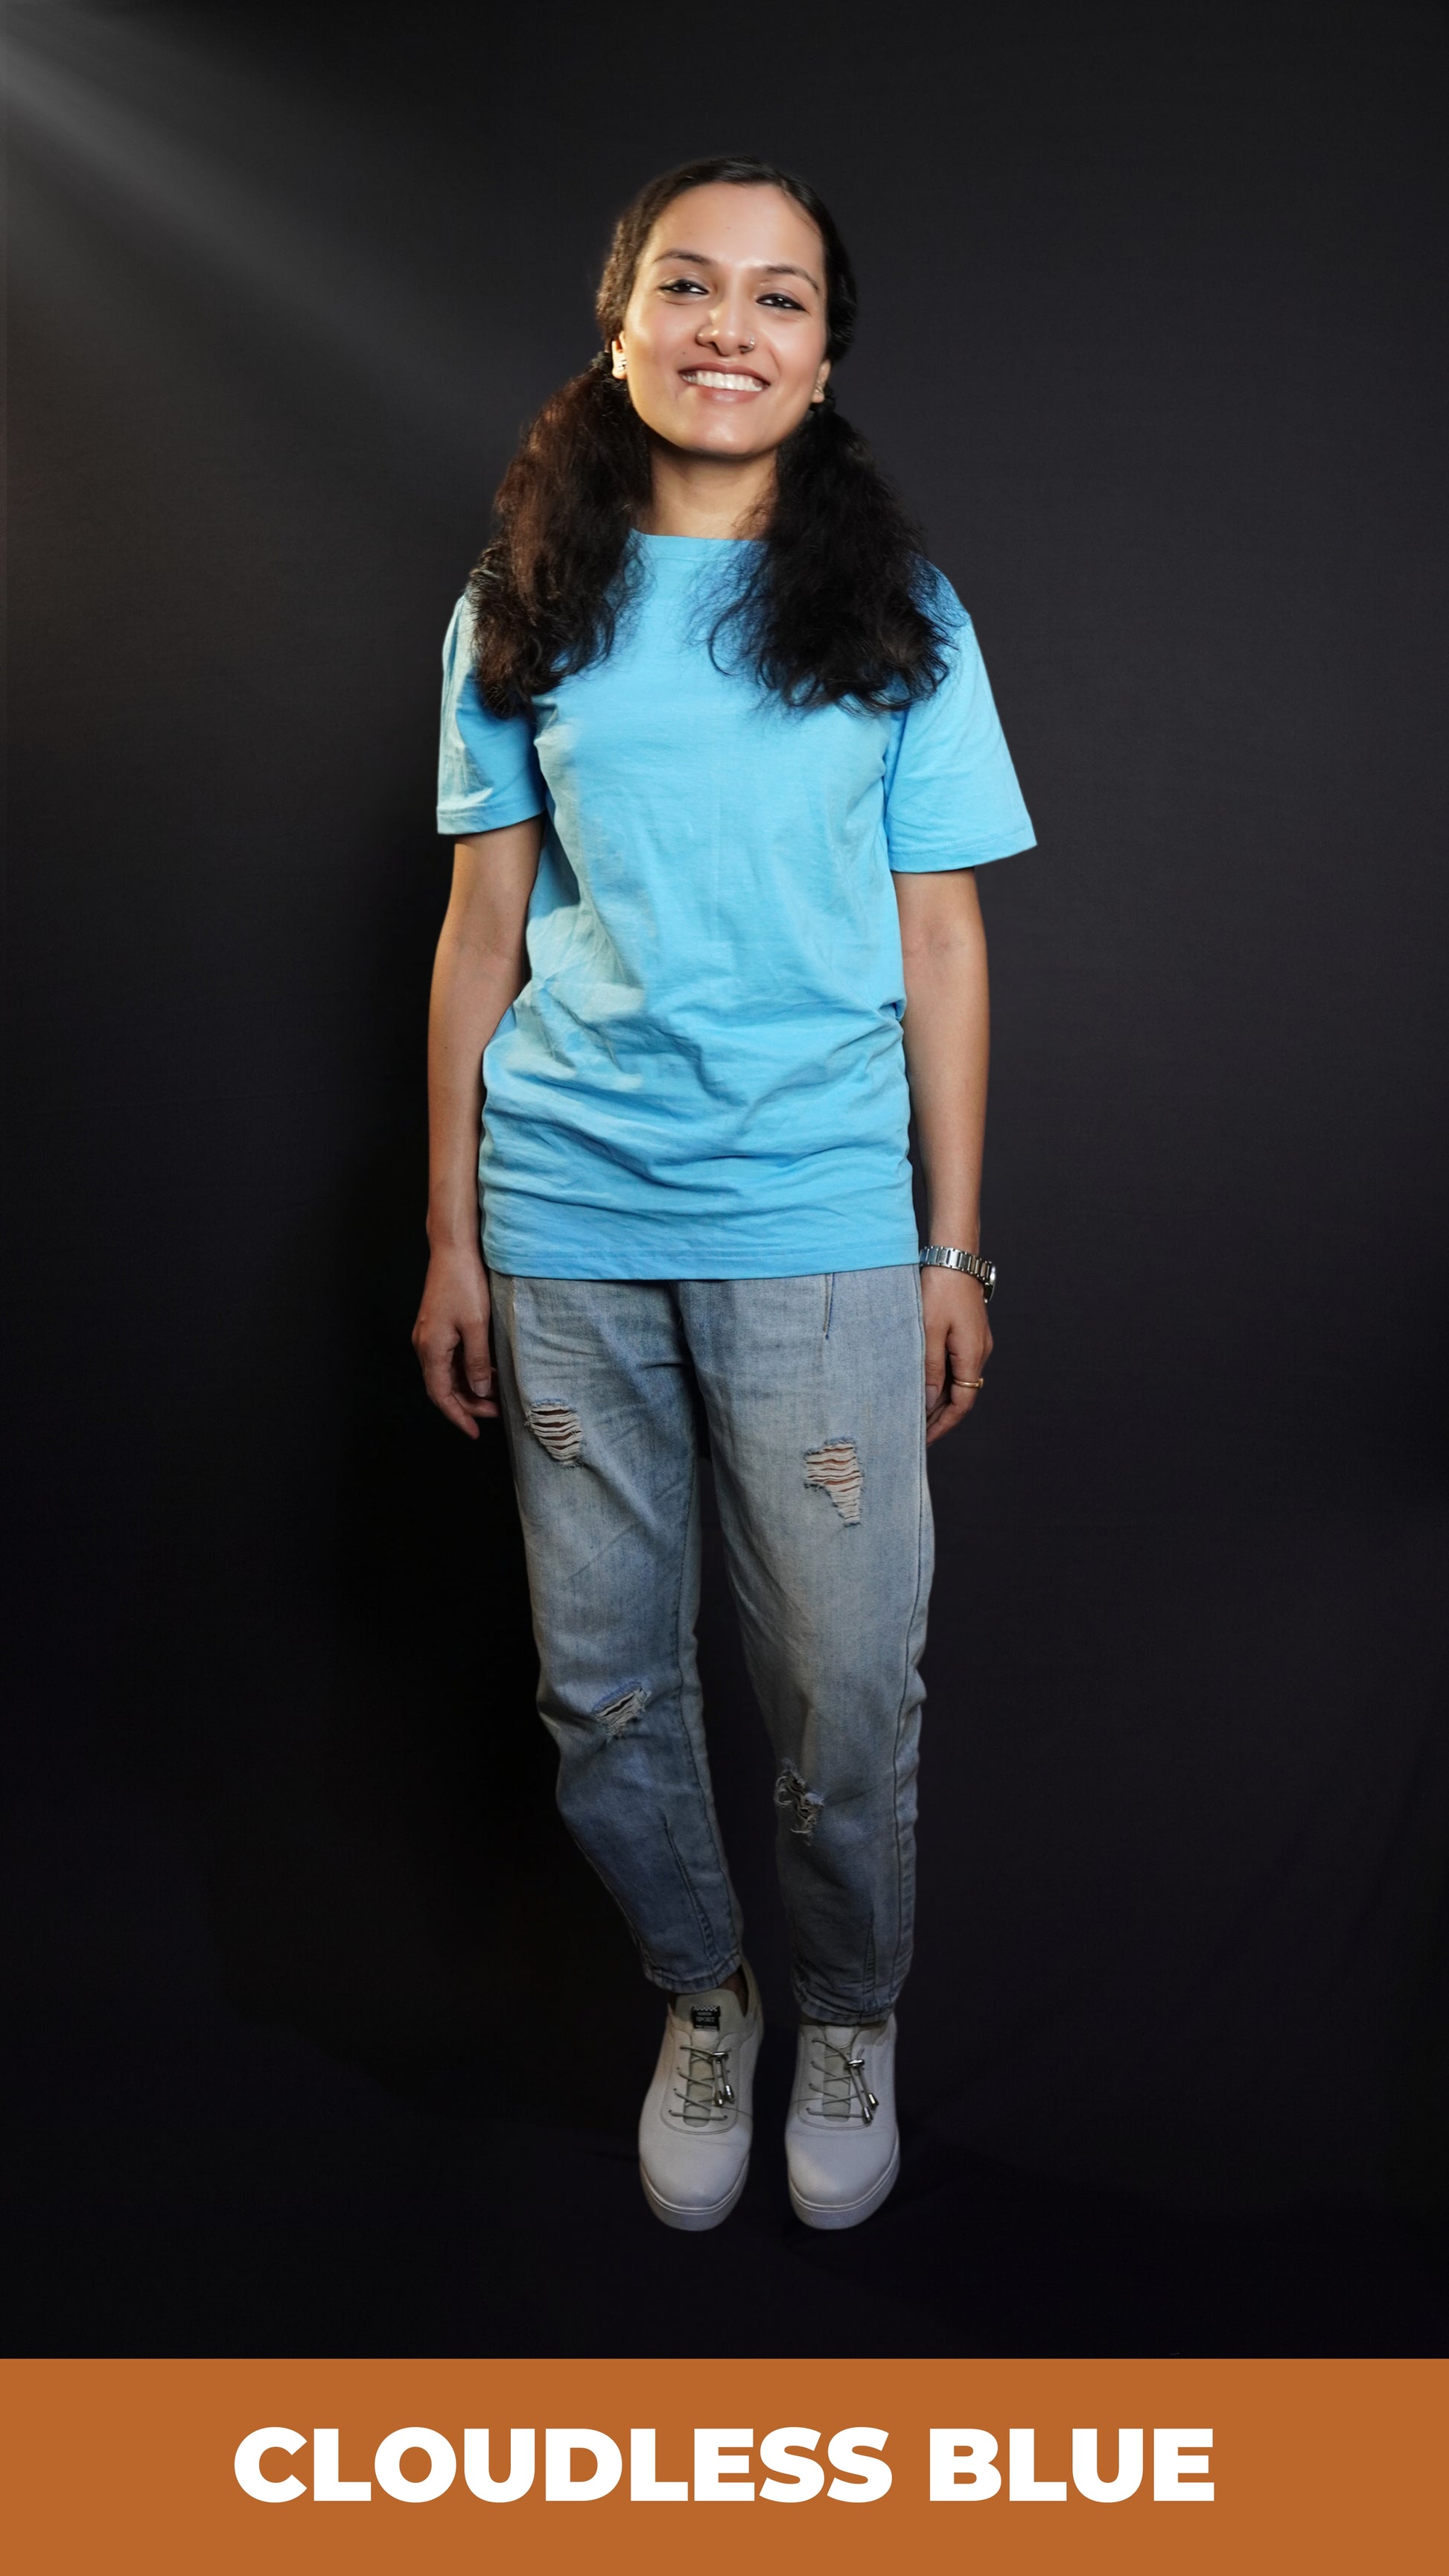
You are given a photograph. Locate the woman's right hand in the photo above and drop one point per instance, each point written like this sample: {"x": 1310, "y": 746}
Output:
{"x": 452, "y": 1339}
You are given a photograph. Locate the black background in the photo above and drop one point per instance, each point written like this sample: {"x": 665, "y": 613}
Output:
{"x": 324, "y": 2039}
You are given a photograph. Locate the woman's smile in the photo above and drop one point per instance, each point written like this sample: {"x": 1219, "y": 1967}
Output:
{"x": 724, "y": 380}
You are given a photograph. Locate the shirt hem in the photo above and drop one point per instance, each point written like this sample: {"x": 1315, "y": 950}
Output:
{"x": 685, "y": 1261}
{"x": 1010, "y": 849}
{"x": 459, "y": 825}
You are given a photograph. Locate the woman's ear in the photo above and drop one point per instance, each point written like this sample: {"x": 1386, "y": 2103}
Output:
{"x": 616, "y": 346}
{"x": 822, "y": 372}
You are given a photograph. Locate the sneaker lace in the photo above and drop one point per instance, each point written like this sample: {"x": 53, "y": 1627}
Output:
{"x": 706, "y": 2092}
{"x": 841, "y": 2078}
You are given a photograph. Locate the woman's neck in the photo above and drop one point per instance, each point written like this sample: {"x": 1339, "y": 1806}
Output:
{"x": 708, "y": 496}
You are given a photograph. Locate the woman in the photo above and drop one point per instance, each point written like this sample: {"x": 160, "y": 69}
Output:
{"x": 719, "y": 755}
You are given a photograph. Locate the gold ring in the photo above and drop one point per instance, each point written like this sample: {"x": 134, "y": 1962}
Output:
{"x": 976, "y": 1383}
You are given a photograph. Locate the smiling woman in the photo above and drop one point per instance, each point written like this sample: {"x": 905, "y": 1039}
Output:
{"x": 720, "y": 757}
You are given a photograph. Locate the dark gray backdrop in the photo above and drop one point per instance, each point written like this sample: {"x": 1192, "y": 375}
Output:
{"x": 326, "y": 2039}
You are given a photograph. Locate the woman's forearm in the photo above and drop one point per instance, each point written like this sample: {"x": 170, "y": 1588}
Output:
{"x": 947, "y": 1042}
{"x": 480, "y": 968}
{"x": 468, "y": 1001}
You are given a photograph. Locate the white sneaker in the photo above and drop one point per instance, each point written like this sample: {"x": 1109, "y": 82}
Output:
{"x": 842, "y": 2147}
{"x": 696, "y": 2124}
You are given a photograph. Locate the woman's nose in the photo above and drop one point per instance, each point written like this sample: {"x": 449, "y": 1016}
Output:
{"x": 728, "y": 325}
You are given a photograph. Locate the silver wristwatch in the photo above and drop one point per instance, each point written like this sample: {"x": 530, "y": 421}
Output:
{"x": 949, "y": 1256}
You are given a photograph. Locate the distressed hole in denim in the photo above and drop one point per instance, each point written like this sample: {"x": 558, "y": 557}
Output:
{"x": 556, "y": 1428}
{"x": 837, "y": 1471}
{"x": 804, "y": 1804}
{"x": 614, "y": 1714}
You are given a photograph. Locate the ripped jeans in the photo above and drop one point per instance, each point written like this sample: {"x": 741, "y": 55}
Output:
{"x": 812, "y": 1392}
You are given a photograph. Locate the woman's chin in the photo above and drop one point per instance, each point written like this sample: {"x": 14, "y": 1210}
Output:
{"x": 725, "y": 441}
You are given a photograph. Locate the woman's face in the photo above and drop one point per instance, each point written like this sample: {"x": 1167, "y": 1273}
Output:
{"x": 723, "y": 344}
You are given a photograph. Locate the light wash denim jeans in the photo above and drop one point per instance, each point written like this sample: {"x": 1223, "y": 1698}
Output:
{"x": 812, "y": 1391}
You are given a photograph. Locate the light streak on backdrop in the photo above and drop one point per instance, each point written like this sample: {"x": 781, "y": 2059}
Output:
{"x": 175, "y": 143}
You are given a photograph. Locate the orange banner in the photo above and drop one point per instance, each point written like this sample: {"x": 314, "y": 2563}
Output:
{"x": 316, "y": 2466}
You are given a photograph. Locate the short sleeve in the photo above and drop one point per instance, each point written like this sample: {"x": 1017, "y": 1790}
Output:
{"x": 488, "y": 772}
{"x": 952, "y": 800}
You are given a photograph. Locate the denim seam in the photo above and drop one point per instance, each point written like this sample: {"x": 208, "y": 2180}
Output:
{"x": 905, "y": 1687}
{"x": 705, "y": 1799}
{"x": 605, "y": 1877}
{"x": 715, "y": 1978}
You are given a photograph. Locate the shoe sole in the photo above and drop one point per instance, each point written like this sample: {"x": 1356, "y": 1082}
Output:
{"x": 672, "y": 2213}
{"x": 818, "y": 2213}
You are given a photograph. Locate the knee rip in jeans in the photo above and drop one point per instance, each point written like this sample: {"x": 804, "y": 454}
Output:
{"x": 556, "y": 1428}
{"x": 620, "y": 1709}
{"x": 837, "y": 1471}
{"x": 791, "y": 1792}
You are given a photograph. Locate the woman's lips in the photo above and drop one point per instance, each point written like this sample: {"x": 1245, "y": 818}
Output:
{"x": 724, "y": 380}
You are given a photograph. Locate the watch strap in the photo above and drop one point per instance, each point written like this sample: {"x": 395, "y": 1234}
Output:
{"x": 949, "y": 1256}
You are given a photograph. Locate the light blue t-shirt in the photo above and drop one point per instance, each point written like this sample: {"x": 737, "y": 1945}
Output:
{"x": 703, "y": 1076}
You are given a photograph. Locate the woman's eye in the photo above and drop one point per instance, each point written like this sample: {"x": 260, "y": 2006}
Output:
{"x": 682, "y": 286}
{"x": 777, "y": 295}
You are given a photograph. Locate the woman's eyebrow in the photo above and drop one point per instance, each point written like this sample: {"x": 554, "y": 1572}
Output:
{"x": 767, "y": 267}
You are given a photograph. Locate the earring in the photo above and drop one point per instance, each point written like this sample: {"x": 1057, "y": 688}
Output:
{"x": 621, "y": 367}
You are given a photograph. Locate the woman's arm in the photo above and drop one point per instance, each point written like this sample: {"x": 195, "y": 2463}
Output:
{"x": 481, "y": 967}
{"x": 947, "y": 1039}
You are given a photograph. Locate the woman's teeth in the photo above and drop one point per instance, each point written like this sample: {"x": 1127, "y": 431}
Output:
{"x": 722, "y": 381}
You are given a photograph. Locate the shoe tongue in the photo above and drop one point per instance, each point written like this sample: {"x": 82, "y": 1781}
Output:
{"x": 709, "y": 2021}
{"x": 711, "y": 2017}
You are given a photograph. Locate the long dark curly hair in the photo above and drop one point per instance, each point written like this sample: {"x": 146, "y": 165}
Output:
{"x": 835, "y": 605}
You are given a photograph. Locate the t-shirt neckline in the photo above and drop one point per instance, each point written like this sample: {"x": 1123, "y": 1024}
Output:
{"x": 692, "y": 545}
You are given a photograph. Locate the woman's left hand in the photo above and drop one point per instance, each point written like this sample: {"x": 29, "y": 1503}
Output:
{"x": 958, "y": 1346}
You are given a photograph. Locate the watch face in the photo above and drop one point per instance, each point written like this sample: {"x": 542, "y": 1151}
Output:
{"x": 988, "y": 1281}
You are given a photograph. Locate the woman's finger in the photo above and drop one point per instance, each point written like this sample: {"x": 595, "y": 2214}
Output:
{"x": 476, "y": 1357}
{"x": 445, "y": 1396}
{"x": 935, "y": 1366}
{"x": 965, "y": 1367}
{"x": 954, "y": 1410}
{"x": 440, "y": 1359}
